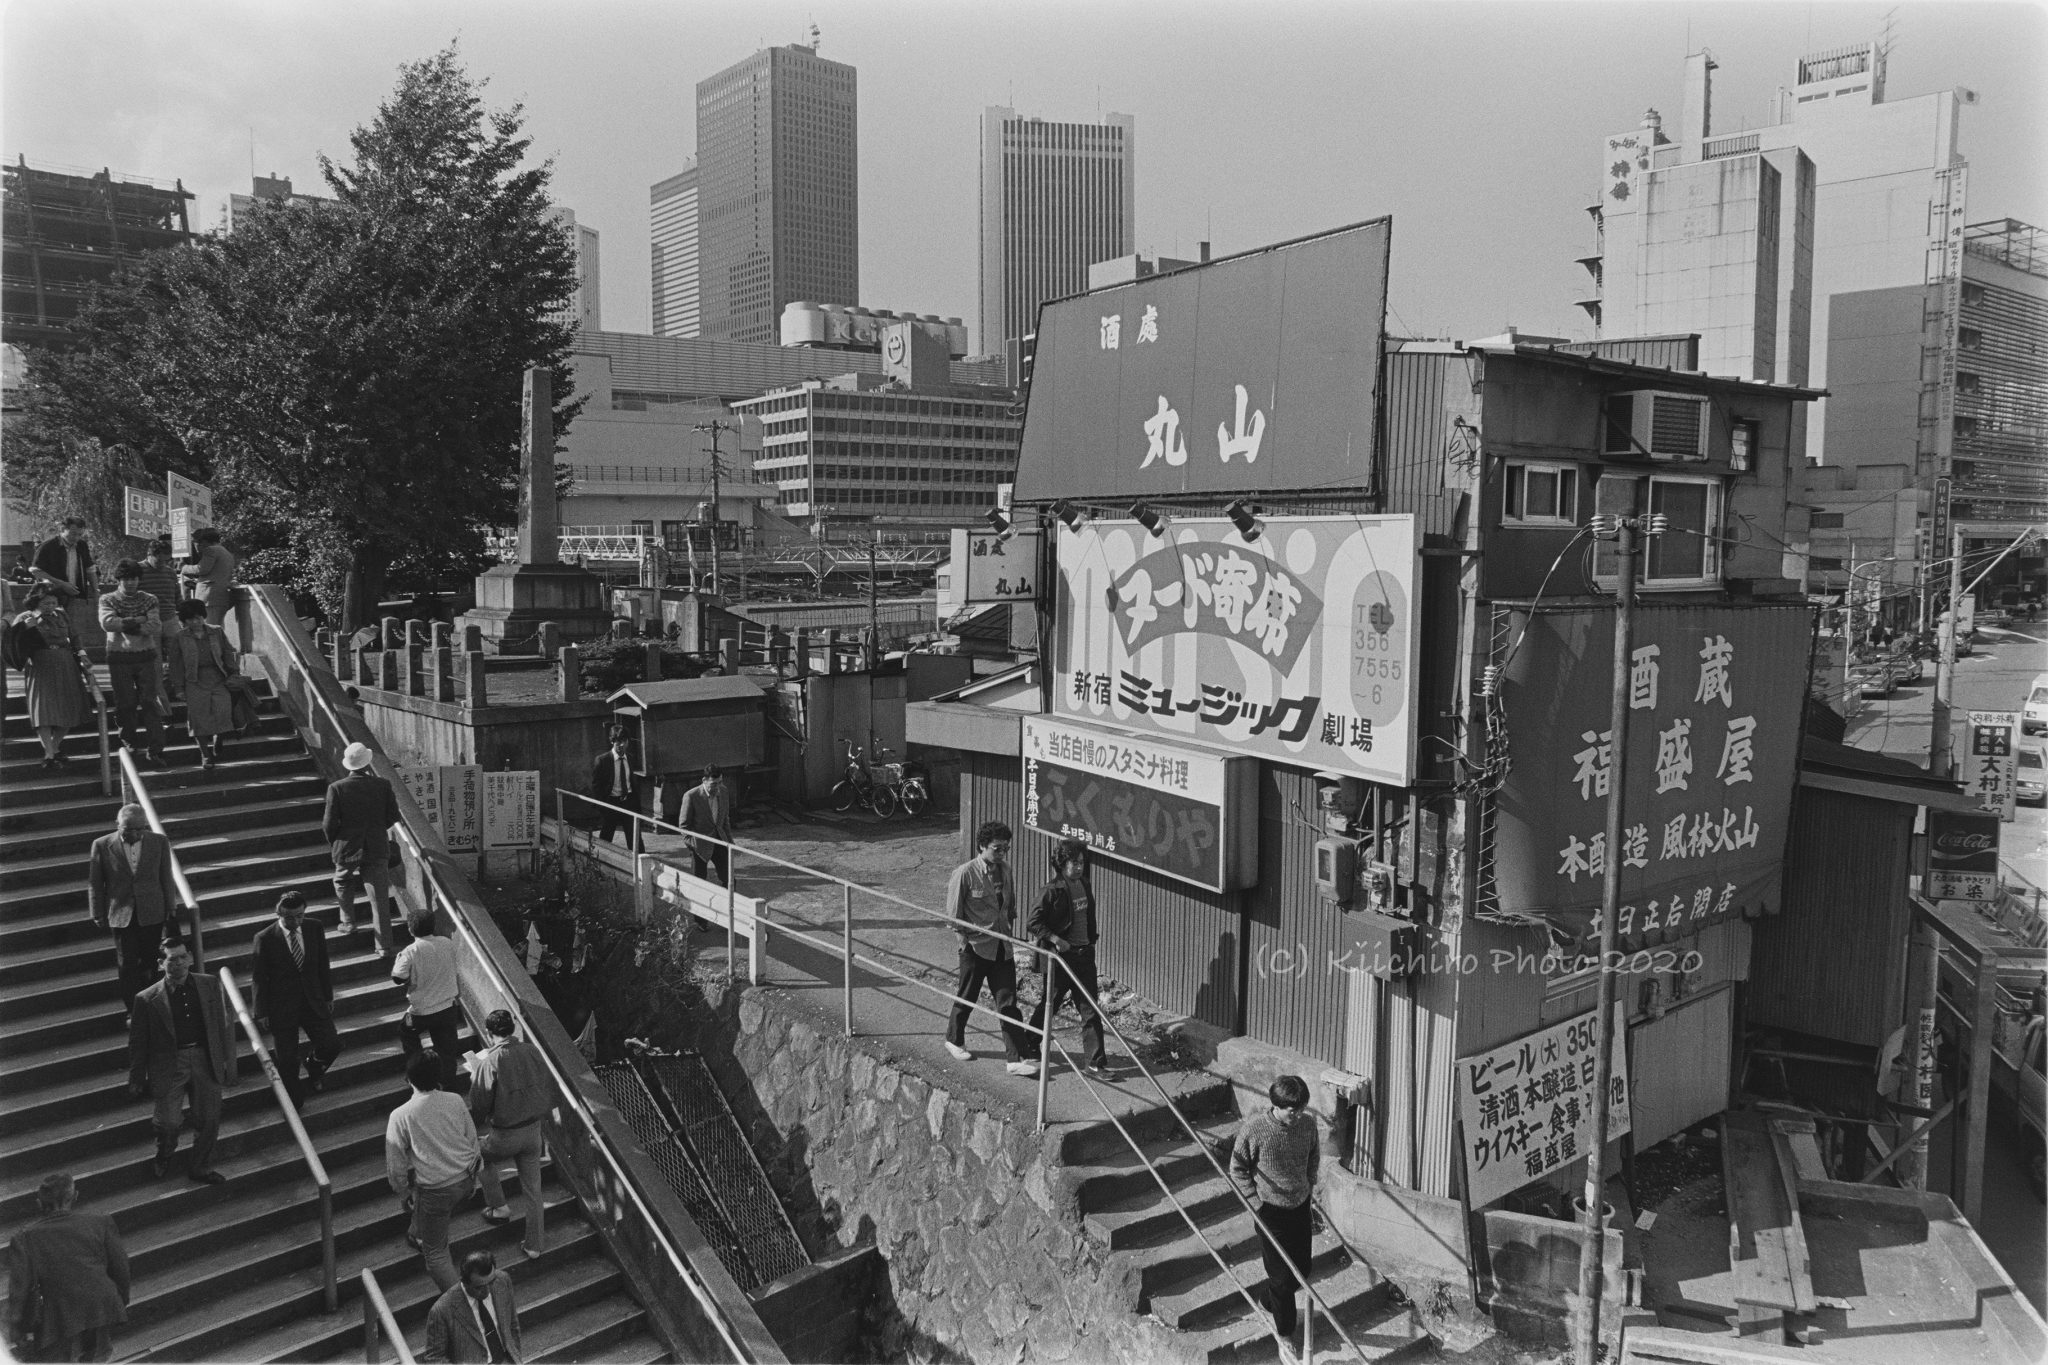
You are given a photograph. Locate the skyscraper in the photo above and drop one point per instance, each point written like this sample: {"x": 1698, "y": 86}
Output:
{"x": 584, "y": 310}
{"x": 672, "y": 213}
{"x": 777, "y": 191}
{"x": 1055, "y": 197}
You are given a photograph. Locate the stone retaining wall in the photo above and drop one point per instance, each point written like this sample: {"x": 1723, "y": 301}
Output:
{"x": 983, "y": 1254}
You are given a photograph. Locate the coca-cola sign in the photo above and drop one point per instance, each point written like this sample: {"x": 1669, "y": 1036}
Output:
{"x": 1962, "y": 856}
{"x": 1958, "y": 845}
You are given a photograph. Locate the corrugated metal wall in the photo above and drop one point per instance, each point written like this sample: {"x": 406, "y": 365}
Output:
{"x": 1833, "y": 963}
{"x": 1424, "y": 390}
{"x": 1297, "y": 989}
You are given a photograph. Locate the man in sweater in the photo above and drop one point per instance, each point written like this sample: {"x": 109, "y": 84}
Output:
{"x": 134, "y": 626}
{"x": 430, "y": 1157}
{"x": 982, "y": 894}
{"x": 509, "y": 1094}
{"x": 1273, "y": 1165}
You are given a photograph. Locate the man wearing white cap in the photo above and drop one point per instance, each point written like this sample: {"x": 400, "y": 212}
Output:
{"x": 361, "y": 809}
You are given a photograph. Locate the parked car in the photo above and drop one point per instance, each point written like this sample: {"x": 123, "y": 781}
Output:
{"x": 2016, "y": 1071}
{"x": 1907, "y": 666}
{"x": 2031, "y": 786}
{"x": 1871, "y": 677}
{"x": 2035, "y": 716}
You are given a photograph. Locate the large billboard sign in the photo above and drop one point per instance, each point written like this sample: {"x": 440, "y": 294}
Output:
{"x": 1528, "y": 1105}
{"x": 1187, "y": 812}
{"x": 1712, "y": 756}
{"x": 1299, "y": 646}
{"x": 1252, "y": 373}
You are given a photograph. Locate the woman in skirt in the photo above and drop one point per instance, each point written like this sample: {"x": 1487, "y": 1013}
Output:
{"x": 201, "y": 662}
{"x": 57, "y": 700}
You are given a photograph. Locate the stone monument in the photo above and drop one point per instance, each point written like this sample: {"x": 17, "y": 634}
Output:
{"x": 513, "y": 599}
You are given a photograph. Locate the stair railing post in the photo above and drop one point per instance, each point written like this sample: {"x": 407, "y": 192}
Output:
{"x": 328, "y": 1289}
{"x": 370, "y": 1351}
{"x": 846, "y": 952}
{"x": 1053, "y": 965}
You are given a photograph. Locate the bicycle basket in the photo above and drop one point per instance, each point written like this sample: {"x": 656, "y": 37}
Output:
{"x": 889, "y": 772}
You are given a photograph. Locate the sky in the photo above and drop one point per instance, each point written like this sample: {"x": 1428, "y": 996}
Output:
{"x": 1475, "y": 125}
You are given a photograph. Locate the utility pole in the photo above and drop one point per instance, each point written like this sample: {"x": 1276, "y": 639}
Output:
{"x": 1939, "y": 760}
{"x": 714, "y": 427}
{"x": 874, "y": 604}
{"x": 1623, "y": 531}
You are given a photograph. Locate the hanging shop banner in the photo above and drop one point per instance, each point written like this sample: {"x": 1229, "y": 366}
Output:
{"x": 1299, "y": 645}
{"x": 1527, "y": 1105}
{"x": 1187, "y": 812}
{"x": 1962, "y": 856}
{"x": 996, "y": 568}
{"x": 149, "y": 514}
{"x": 1830, "y": 681}
{"x": 511, "y": 810}
{"x": 1256, "y": 372}
{"x": 1713, "y": 753}
{"x": 1991, "y": 762}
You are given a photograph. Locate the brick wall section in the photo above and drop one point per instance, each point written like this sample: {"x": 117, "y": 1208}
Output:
{"x": 980, "y": 1237}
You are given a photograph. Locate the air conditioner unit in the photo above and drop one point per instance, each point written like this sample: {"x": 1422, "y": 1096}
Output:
{"x": 1653, "y": 422}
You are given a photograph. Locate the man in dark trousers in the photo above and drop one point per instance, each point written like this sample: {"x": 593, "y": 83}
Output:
{"x": 981, "y": 893}
{"x": 1066, "y": 921}
{"x": 477, "y": 1320}
{"x": 75, "y": 1266}
{"x": 361, "y": 809}
{"x": 295, "y": 991}
{"x": 128, "y": 890}
{"x": 180, "y": 1044}
{"x": 1273, "y": 1165}
{"x": 707, "y": 809}
{"x": 613, "y": 781}
{"x": 509, "y": 1095}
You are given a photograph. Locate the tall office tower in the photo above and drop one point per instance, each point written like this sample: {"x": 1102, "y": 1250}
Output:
{"x": 584, "y": 309}
{"x": 1055, "y": 197}
{"x": 778, "y": 191}
{"x": 672, "y": 214}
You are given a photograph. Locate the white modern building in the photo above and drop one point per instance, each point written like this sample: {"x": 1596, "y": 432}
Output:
{"x": 584, "y": 310}
{"x": 672, "y": 233}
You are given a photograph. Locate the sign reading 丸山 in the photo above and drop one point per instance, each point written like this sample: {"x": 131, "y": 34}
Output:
{"x": 1713, "y": 751}
{"x": 996, "y": 568}
{"x": 1527, "y": 1106}
{"x": 1991, "y": 762}
{"x": 511, "y": 810}
{"x": 1187, "y": 812}
{"x": 1299, "y": 645}
{"x": 149, "y": 514}
{"x": 1256, "y": 372}
{"x": 1962, "y": 855}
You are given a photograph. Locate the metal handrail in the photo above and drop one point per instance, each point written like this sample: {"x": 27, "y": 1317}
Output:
{"x": 314, "y": 1166}
{"x": 571, "y": 1098}
{"x": 99, "y": 701}
{"x": 378, "y": 1322}
{"x": 1046, "y": 1039}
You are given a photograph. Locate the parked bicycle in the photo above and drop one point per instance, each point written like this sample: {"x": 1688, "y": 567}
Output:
{"x": 880, "y": 787}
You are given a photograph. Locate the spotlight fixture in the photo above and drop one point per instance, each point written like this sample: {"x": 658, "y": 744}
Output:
{"x": 1153, "y": 522}
{"x": 1249, "y": 527}
{"x": 999, "y": 522}
{"x": 1072, "y": 514}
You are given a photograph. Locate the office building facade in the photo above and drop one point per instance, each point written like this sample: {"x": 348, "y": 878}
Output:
{"x": 583, "y": 311}
{"x": 67, "y": 233}
{"x": 778, "y": 187}
{"x": 1055, "y": 199}
{"x": 672, "y": 232}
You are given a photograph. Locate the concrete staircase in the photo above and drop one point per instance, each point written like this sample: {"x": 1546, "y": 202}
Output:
{"x": 1124, "y": 1211}
{"x": 232, "y": 1272}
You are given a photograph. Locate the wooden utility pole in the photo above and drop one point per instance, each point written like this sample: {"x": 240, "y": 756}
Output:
{"x": 714, "y": 427}
{"x": 1940, "y": 762}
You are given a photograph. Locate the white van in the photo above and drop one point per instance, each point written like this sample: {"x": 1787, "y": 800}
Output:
{"x": 2035, "y": 716}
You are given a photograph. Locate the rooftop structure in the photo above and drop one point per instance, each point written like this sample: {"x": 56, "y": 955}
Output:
{"x": 67, "y": 230}
{"x": 642, "y": 371}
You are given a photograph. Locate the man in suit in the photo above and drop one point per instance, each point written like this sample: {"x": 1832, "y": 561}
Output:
{"x": 361, "y": 809}
{"x": 707, "y": 809}
{"x": 294, "y": 991}
{"x": 129, "y": 891}
{"x": 181, "y": 1045}
{"x": 477, "y": 1320}
{"x": 613, "y": 781}
{"x": 75, "y": 1265}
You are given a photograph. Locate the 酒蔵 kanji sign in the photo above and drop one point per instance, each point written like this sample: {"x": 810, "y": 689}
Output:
{"x": 1714, "y": 697}
{"x": 1175, "y": 809}
{"x": 1299, "y": 646}
{"x": 1527, "y": 1106}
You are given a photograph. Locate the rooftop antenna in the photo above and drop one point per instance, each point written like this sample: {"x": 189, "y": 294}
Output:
{"x": 1888, "y": 34}
{"x": 252, "y": 156}
{"x": 815, "y": 37}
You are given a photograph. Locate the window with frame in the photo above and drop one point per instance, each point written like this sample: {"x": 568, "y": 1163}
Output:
{"x": 1540, "y": 495}
{"x": 1688, "y": 554}
{"x": 1742, "y": 444}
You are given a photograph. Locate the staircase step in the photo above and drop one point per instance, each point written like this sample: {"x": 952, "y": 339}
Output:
{"x": 1148, "y": 1217}
{"x": 1081, "y": 1144}
{"x": 1120, "y": 1175}
{"x": 96, "y": 813}
{"x": 46, "y": 925}
{"x": 1382, "y": 1325}
{"x": 250, "y": 830}
{"x": 1208, "y": 1298}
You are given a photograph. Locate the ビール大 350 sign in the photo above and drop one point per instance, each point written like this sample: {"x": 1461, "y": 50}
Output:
{"x": 1256, "y": 372}
{"x": 1189, "y": 813}
{"x": 1299, "y": 646}
{"x": 1714, "y": 698}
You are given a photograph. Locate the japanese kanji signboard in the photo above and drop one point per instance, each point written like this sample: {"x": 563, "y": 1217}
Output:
{"x": 1714, "y": 696}
{"x": 1177, "y": 809}
{"x": 1528, "y": 1106}
{"x": 1299, "y": 646}
{"x": 425, "y": 786}
{"x": 511, "y": 810}
{"x": 1991, "y": 762}
{"x": 149, "y": 514}
{"x": 1962, "y": 856}
{"x": 1255, "y": 372}
{"x": 994, "y": 568}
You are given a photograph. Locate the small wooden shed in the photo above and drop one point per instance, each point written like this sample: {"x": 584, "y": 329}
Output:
{"x": 684, "y": 725}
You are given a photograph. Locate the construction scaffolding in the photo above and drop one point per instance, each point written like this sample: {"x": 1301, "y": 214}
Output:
{"x": 67, "y": 231}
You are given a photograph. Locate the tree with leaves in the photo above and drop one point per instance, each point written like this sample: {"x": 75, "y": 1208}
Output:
{"x": 345, "y": 374}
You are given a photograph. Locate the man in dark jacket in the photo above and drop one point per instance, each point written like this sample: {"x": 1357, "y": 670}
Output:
{"x": 1066, "y": 920}
{"x": 477, "y": 1320}
{"x": 180, "y": 1044}
{"x": 613, "y": 781}
{"x": 295, "y": 991}
{"x": 128, "y": 890}
{"x": 69, "y": 1272}
{"x": 64, "y": 562}
{"x": 361, "y": 809}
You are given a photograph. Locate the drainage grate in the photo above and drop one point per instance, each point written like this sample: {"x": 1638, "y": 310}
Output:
{"x": 684, "y": 1175}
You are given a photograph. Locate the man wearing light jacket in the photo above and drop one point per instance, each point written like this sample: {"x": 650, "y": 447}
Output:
{"x": 133, "y": 621}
